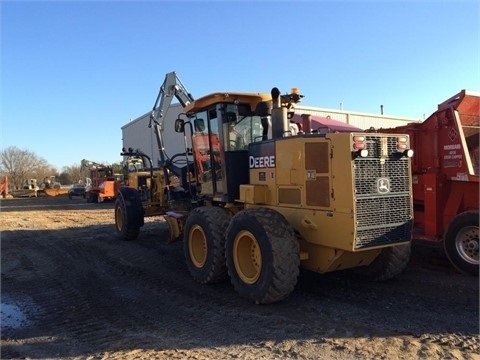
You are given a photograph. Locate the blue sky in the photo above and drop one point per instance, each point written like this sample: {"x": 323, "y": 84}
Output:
{"x": 73, "y": 73}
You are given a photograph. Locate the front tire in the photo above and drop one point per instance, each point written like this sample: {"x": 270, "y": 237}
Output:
{"x": 262, "y": 255}
{"x": 204, "y": 244}
{"x": 461, "y": 242}
{"x": 128, "y": 214}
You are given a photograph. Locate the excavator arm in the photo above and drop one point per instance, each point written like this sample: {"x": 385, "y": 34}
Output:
{"x": 171, "y": 87}
{"x": 87, "y": 164}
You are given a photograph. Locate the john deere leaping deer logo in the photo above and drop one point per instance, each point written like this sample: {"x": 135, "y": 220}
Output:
{"x": 383, "y": 185}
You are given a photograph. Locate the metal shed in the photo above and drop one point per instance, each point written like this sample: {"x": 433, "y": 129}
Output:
{"x": 358, "y": 119}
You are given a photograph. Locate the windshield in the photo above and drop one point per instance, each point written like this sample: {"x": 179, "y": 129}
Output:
{"x": 240, "y": 128}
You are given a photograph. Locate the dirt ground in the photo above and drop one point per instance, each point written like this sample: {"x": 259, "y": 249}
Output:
{"x": 71, "y": 290}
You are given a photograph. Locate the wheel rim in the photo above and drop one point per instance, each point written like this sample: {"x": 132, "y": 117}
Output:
{"x": 466, "y": 244}
{"x": 119, "y": 218}
{"x": 247, "y": 257}
{"x": 197, "y": 246}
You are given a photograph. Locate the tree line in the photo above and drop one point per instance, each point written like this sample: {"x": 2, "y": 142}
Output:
{"x": 19, "y": 165}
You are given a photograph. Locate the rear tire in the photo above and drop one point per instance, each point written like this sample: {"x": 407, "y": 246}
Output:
{"x": 392, "y": 261}
{"x": 128, "y": 214}
{"x": 262, "y": 255}
{"x": 461, "y": 242}
{"x": 204, "y": 244}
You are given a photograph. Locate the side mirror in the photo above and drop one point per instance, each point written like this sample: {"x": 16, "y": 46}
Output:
{"x": 179, "y": 126}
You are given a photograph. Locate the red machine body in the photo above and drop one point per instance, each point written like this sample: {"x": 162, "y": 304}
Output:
{"x": 4, "y": 187}
{"x": 445, "y": 176}
{"x": 101, "y": 182}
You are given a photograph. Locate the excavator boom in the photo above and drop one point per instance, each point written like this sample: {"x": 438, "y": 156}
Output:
{"x": 171, "y": 87}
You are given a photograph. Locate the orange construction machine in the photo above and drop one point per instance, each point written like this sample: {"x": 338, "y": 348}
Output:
{"x": 446, "y": 178}
{"x": 101, "y": 182}
{"x": 4, "y": 187}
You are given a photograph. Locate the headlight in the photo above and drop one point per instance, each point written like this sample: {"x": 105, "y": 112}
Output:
{"x": 408, "y": 153}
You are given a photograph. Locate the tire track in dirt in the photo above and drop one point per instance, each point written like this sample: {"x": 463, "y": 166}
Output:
{"x": 75, "y": 312}
{"x": 70, "y": 299}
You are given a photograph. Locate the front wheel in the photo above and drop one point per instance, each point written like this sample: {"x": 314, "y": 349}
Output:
{"x": 262, "y": 255}
{"x": 128, "y": 214}
{"x": 461, "y": 242}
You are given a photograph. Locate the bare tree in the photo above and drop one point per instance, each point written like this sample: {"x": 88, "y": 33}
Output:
{"x": 20, "y": 165}
{"x": 71, "y": 175}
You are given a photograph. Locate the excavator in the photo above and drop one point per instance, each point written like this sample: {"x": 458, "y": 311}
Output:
{"x": 257, "y": 197}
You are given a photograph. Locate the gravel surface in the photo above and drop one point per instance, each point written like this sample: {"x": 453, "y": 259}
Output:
{"x": 71, "y": 290}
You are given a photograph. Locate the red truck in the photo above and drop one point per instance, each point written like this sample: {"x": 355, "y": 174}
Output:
{"x": 445, "y": 176}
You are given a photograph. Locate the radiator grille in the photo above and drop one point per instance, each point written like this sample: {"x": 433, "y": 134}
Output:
{"x": 382, "y": 218}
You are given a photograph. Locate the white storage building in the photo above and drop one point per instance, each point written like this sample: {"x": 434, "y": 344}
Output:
{"x": 137, "y": 135}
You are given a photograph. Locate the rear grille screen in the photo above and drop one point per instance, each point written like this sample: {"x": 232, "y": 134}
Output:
{"x": 368, "y": 170}
{"x": 383, "y": 199}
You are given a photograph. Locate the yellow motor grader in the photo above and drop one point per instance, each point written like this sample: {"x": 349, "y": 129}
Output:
{"x": 262, "y": 197}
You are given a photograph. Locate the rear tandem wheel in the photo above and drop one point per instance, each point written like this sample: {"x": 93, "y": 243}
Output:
{"x": 262, "y": 255}
{"x": 204, "y": 244}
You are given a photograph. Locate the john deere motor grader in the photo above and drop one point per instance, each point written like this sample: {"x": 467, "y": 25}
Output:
{"x": 265, "y": 201}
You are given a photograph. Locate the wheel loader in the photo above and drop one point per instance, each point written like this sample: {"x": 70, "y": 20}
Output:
{"x": 267, "y": 197}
